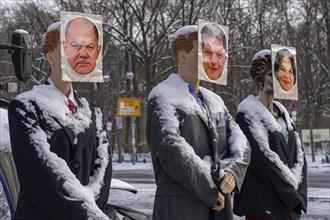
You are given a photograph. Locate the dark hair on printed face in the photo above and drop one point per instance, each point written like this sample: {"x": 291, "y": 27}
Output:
{"x": 212, "y": 30}
{"x": 279, "y": 55}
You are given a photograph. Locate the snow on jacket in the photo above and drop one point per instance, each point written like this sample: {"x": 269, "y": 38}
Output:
{"x": 184, "y": 140}
{"x": 63, "y": 161}
{"x": 275, "y": 182}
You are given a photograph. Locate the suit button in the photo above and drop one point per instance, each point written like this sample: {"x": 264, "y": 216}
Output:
{"x": 76, "y": 165}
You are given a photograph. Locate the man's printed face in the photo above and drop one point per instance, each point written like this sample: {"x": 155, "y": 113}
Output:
{"x": 214, "y": 57}
{"x": 81, "y": 47}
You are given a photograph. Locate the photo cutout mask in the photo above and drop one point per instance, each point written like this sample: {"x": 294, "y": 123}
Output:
{"x": 212, "y": 52}
{"x": 81, "y": 47}
{"x": 284, "y": 70}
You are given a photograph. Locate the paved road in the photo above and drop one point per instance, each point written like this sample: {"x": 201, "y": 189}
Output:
{"x": 318, "y": 179}
{"x": 143, "y": 180}
{"x": 314, "y": 179}
{"x": 135, "y": 176}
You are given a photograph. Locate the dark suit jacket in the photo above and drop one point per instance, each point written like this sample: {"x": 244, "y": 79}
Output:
{"x": 179, "y": 139}
{"x": 267, "y": 191}
{"x": 55, "y": 160}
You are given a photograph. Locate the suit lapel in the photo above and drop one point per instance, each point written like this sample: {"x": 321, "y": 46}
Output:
{"x": 202, "y": 114}
{"x": 68, "y": 130}
{"x": 212, "y": 130}
{"x": 77, "y": 98}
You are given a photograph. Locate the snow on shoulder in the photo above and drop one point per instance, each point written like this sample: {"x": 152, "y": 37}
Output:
{"x": 54, "y": 105}
{"x": 174, "y": 92}
{"x": 4, "y": 132}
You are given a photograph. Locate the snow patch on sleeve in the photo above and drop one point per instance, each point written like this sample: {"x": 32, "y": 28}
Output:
{"x": 238, "y": 145}
{"x": 96, "y": 181}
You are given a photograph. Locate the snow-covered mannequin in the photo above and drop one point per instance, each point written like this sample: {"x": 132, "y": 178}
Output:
{"x": 275, "y": 183}
{"x": 62, "y": 157}
{"x": 187, "y": 131}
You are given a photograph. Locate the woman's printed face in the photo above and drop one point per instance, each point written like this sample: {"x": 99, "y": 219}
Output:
{"x": 285, "y": 74}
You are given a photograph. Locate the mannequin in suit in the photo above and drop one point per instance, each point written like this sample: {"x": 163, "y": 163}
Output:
{"x": 196, "y": 169}
{"x": 61, "y": 152}
{"x": 278, "y": 168}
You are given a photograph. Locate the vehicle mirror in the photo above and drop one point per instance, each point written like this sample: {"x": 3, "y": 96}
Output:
{"x": 22, "y": 54}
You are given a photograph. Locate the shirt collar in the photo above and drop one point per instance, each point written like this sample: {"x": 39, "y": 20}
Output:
{"x": 199, "y": 98}
{"x": 71, "y": 96}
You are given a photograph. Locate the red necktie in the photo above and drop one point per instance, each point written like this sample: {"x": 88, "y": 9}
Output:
{"x": 72, "y": 107}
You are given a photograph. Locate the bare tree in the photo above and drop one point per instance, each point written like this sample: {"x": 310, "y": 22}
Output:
{"x": 138, "y": 34}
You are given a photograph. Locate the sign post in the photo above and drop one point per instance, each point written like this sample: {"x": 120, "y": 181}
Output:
{"x": 130, "y": 107}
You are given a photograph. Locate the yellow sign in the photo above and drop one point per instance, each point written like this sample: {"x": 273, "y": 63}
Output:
{"x": 128, "y": 107}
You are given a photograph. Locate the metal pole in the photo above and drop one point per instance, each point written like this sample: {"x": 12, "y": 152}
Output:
{"x": 133, "y": 139}
{"x": 132, "y": 119}
{"x": 118, "y": 133}
{"x": 311, "y": 118}
{"x": 312, "y": 142}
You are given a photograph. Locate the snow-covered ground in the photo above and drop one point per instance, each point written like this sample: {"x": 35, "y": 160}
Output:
{"x": 318, "y": 198}
{"x": 318, "y": 206}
